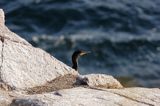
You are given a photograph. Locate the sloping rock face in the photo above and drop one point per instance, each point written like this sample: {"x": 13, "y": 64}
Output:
{"x": 24, "y": 66}
{"x": 93, "y": 97}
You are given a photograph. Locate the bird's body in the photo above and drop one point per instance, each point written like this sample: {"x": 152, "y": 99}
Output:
{"x": 75, "y": 57}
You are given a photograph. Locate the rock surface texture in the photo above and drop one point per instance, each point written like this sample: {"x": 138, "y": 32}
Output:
{"x": 100, "y": 80}
{"x": 92, "y": 97}
{"x": 31, "y": 77}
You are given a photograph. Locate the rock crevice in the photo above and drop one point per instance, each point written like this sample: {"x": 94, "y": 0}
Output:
{"x": 127, "y": 97}
{"x": 2, "y": 46}
{"x": 3, "y": 85}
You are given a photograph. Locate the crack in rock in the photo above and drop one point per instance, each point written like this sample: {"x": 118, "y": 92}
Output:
{"x": 2, "y": 84}
{"x": 2, "y": 40}
{"x": 133, "y": 99}
{"x": 122, "y": 96}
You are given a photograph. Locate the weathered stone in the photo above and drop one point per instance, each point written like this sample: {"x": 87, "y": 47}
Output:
{"x": 100, "y": 80}
{"x": 142, "y": 95}
{"x": 5, "y": 99}
{"x": 0, "y": 55}
{"x": 93, "y": 97}
{"x": 24, "y": 66}
{"x": 28, "y": 102}
{"x": 1, "y": 18}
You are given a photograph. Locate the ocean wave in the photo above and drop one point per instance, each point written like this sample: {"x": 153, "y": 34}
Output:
{"x": 70, "y": 16}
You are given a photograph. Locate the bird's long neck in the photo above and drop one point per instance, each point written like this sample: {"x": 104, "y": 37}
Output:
{"x": 75, "y": 62}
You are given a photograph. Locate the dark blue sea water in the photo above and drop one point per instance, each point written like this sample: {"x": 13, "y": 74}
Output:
{"x": 123, "y": 35}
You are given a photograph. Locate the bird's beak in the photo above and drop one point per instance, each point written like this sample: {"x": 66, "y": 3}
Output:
{"x": 84, "y": 53}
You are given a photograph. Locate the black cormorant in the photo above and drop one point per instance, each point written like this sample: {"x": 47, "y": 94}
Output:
{"x": 75, "y": 57}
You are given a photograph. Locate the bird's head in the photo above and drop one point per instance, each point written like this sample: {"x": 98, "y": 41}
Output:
{"x": 80, "y": 52}
{"x": 75, "y": 56}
